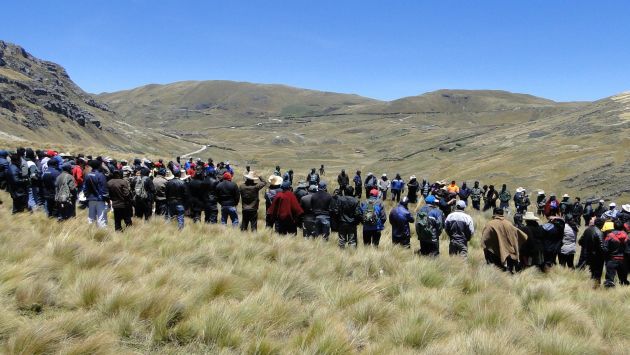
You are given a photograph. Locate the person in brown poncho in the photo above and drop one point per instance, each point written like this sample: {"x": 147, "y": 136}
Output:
{"x": 501, "y": 242}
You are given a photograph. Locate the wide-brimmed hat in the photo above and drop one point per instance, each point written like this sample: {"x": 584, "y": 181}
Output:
{"x": 520, "y": 189}
{"x": 274, "y": 180}
{"x": 412, "y": 177}
{"x": 251, "y": 176}
{"x": 529, "y": 216}
{"x": 626, "y": 207}
{"x": 565, "y": 195}
{"x": 169, "y": 175}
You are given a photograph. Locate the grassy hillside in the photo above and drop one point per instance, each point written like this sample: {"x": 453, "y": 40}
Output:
{"x": 71, "y": 289}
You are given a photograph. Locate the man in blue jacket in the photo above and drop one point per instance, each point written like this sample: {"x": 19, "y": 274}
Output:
{"x": 398, "y": 185}
{"x": 373, "y": 218}
{"x": 399, "y": 218}
{"x": 97, "y": 195}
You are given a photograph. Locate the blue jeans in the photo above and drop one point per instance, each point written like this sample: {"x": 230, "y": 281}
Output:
{"x": 176, "y": 210}
{"x": 32, "y": 197}
{"x": 322, "y": 226}
{"x": 97, "y": 212}
{"x": 229, "y": 211}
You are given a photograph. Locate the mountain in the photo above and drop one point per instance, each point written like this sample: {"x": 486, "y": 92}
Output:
{"x": 40, "y": 103}
{"x": 158, "y": 105}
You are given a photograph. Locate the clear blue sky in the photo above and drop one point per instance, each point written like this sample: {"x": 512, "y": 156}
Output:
{"x": 563, "y": 50}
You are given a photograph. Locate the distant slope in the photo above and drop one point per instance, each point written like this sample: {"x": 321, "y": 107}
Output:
{"x": 40, "y": 103}
{"x": 149, "y": 103}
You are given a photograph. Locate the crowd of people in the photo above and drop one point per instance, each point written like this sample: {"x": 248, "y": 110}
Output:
{"x": 58, "y": 184}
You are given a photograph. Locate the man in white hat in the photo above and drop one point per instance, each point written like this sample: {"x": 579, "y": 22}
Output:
{"x": 250, "y": 200}
{"x": 541, "y": 201}
{"x": 533, "y": 252}
{"x": 612, "y": 212}
{"x": 275, "y": 186}
{"x": 460, "y": 228}
{"x": 383, "y": 186}
{"x": 412, "y": 189}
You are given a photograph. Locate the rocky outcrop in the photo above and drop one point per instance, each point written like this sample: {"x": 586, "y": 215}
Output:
{"x": 34, "y": 88}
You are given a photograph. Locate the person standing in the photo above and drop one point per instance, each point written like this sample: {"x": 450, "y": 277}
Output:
{"x": 18, "y": 183}
{"x": 532, "y": 252}
{"x": 308, "y": 217}
{"x": 615, "y": 244}
{"x": 398, "y": 186}
{"x": 464, "y": 193}
{"x": 344, "y": 181}
{"x": 588, "y": 213}
{"x": 159, "y": 183}
{"x": 399, "y": 218}
{"x": 349, "y": 218}
{"x": 553, "y": 236}
{"x": 358, "y": 185}
{"x": 502, "y": 242}
{"x": 211, "y": 212}
{"x": 504, "y": 199}
{"x": 370, "y": 184}
{"x": 229, "y": 197}
{"x": 285, "y": 210}
{"x": 65, "y": 193}
{"x": 144, "y": 192}
{"x": 412, "y": 189}
{"x": 592, "y": 242}
{"x": 4, "y": 169}
{"x": 475, "y": 196}
{"x": 568, "y": 248}
{"x": 250, "y": 200}
{"x": 383, "y": 186}
{"x": 313, "y": 178}
{"x": 429, "y": 225}
{"x": 490, "y": 198}
{"x": 48, "y": 180}
{"x": 177, "y": 197}
{"x": 373, "y": 218}
{"x": 97, "y": 195}
{"x": 198, "y": 191}
{"x": 460, "y": 229}
{"x": 320, "y": 203}
{"x": 121, "y": 198}
{"x": 275, "y": 183}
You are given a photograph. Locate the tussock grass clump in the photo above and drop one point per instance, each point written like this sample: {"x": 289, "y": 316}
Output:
{"x": 70, "y": 288}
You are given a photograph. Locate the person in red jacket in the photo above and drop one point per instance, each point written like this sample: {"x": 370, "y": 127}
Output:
{"x": 614, "y": 248}
{"x": 285, "y": 210}
{"x": 77, "y": 173}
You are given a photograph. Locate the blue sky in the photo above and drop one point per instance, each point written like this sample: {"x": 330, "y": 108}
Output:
{"x": 563, "y": 50}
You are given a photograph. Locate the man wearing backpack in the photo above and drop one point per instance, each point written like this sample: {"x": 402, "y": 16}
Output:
{"x": 475, "y": 196}
{"x": 399, "y": 218}
{"x": 460, "y": 228}
{"x": 429, "y": 226}
{"x": 398, "y": 186}
{"x": 504, "y": 199}
{"x": 65, "y": 193}
{"x": 358, "y": 185}
{"x": 18, "y": 182}
{"x": 144, "y": 190}
{"x": 349, "y": 218}
{"x": 373, "y": 218}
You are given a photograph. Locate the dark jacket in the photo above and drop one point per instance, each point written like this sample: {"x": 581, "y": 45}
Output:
{"x": 212, "y": 183}
{"x": 320, "y": 203}
{"x": 349, "y": 210}
{"x": 177, "y": 192}
{"x": 305, "y": 203}
{"x": 592, "y": 242}
{"x": 270, "y": 195}
{"x": 198, "y": 191}
{"x": 343, "y": 180}
{"x": 250, "y": 195}
{"x": 18, "y": 181}
{"x": 119, "y": 193}
{"x": 4, "y": 168}
{"x": 228, "y": 194}
{"x": 399, "y": 218}
{"x": 436, "y": 224}
{"x": 148, "y": 187}
{"x": 614, "y": 246}
{"x": 95, "y": 186}
{"x": 533, "y": 247}
{"x": 48, "y": 182}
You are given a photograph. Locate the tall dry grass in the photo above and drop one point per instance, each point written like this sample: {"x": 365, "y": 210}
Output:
{"x": 72, "y": 289}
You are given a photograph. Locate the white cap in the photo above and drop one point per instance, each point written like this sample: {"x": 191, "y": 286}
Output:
{"x": 461, "y": 204}
{"x": 384, "y": 175}
{"x": 601, "y": 201}
{"x": 541, "y": 192}
{"x": 612, "y": 204}
{"x": 412, "y": 177}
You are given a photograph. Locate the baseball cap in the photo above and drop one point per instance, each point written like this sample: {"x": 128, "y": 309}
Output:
{"x": 461, "y": 204}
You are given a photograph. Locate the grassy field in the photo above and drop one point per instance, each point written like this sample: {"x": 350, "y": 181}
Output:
{"x": 71, "y": 289}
